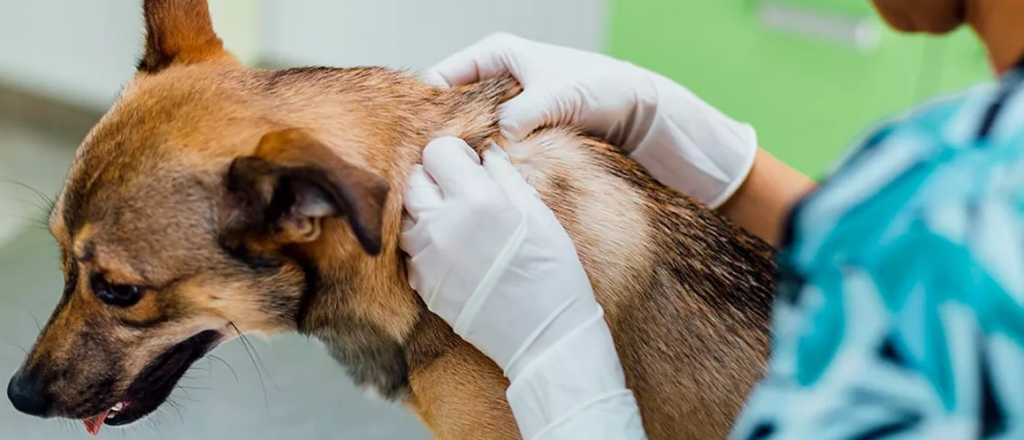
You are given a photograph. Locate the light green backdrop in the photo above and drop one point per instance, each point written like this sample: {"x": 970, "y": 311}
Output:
{"x": 809, "y": 98}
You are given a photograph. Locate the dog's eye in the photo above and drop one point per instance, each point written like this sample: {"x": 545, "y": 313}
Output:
{"x": 120, "y": 295}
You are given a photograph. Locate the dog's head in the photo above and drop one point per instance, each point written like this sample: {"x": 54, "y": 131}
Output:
{"x": 185, "y": 220}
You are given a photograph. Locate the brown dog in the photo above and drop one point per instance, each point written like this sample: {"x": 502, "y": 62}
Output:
{"x": 215, "y": 199}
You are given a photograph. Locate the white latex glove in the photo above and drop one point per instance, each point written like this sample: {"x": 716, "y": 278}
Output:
{"x": 488, "y": 256}
{"x": 681, "y": 140}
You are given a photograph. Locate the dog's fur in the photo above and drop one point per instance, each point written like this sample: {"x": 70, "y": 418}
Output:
{"x": 268, "y": 201}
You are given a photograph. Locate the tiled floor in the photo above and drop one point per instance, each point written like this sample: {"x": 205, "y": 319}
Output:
{"x": 304, "y": 394}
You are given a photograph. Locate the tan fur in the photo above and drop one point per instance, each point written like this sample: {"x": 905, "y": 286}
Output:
{"x": 473, "y": 404}
{"x": 685, "y": 293}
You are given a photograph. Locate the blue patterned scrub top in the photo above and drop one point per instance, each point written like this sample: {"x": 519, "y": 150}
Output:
{"x": 900, "y": 309}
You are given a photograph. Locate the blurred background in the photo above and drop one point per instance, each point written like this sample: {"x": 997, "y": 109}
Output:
{"x": 810, "y": 75}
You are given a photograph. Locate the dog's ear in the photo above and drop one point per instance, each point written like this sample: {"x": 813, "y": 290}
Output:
{"x": 294, "y": 182}
{"x": 178, "y": 31}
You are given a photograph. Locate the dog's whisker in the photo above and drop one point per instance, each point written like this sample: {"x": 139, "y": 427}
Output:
{"x": 183, "y": 392}
{"x": 258, "y": 365}
{"x": 18, "y": 346}
{"x": 254, "y": 358}
{"x": 187, "y": 388}
{"x": 152, "y": 423}
{"x": 39, "y": 325}
{"x": 41, "y": 205}
{"x": 69, "y": 426}
{"x": 41, "y": 195}
{"x": 173, "y": 404}
{"x": 201, "y": 367}
{"x": 226, "y": 365}
{"x": 34, "y": 221}
{"x": 43, "y": 202}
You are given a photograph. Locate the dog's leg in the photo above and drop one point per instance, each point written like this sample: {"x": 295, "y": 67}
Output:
{"x": 461, "y": 395}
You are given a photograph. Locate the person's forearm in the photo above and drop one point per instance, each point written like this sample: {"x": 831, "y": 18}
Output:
{"x": 762, "y": 204}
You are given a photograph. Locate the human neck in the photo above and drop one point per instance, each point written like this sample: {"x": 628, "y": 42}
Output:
{"x": 999, "y": 25}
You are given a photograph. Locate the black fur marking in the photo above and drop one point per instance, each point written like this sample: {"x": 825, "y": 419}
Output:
{"x": 746, "y": 293}
{"x": 237, "y": 250}
{"x": 93, "y": 346}
{"x": 370, "y": 356}
{"x": 430, "y": 339}
{"x": 95, "y": 396}
{"x": 74, "y": 200}
{"x": 310, "y": 290}
{"x": 88, "y": 252}
{"x": 311, "y": 74}
{"x": 563, "y": 187}
{"x": 159, "y": 378}
{"x": 71, "y": 284}
{"x": 144, "y": 324}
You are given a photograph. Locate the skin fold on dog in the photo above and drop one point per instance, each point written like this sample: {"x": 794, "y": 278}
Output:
{"x": 234, "y": 200}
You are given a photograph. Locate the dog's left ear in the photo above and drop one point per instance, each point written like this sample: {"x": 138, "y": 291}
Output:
{"x": 294, "y": 182}
{"x": 178, "y": 31}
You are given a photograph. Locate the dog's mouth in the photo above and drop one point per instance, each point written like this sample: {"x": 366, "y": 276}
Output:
{"x": 155, "y": 383}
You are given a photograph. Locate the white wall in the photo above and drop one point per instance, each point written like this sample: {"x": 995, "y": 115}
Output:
{"x": 84, "y": 50}
{"x": 81, "y": 50}
{"x": 416, "y": 33}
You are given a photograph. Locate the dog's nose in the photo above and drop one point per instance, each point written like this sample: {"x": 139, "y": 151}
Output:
{"x": 27, "y": 394}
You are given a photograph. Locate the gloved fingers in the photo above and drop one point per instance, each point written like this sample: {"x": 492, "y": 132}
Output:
{"x": 487, "y": 58}
{"x": 499, "y": 165}
{"x": 454, "y": 166}
{"x": 414, "y": 238}
{"x": 527, "y": 112}
{"x": 434, "y": 78}
{"x": 421, "y": 193}
{"x": 425, "y": 279}
{"x": 419, "y": 280}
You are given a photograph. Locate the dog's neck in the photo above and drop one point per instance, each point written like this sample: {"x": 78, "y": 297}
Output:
{"x": 362, "y": 307}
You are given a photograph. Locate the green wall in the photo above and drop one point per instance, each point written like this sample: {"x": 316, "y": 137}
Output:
{"x": 809, "y": 98}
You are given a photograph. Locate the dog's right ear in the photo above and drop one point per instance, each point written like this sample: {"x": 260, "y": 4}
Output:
{"x": 178, "y": 32}
{"x": 285, "y": 191}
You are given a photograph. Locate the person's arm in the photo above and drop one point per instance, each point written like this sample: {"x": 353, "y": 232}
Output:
{"x": 682, "y": 141}
{"x": 763, "y": 201}
{"x": 492, "y": 260}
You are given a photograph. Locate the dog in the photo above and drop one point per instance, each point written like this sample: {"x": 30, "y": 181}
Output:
{"x": 215, "y": 200}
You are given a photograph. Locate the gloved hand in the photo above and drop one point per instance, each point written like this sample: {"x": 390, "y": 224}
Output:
{"x": 490, "y": 258}
{"x": 681, "y": 140}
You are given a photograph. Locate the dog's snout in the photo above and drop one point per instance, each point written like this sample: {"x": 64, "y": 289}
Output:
{"x": 27, "y": 394}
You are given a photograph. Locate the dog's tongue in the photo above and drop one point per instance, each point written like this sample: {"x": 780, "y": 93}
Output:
{"x": 93, "y": 424}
